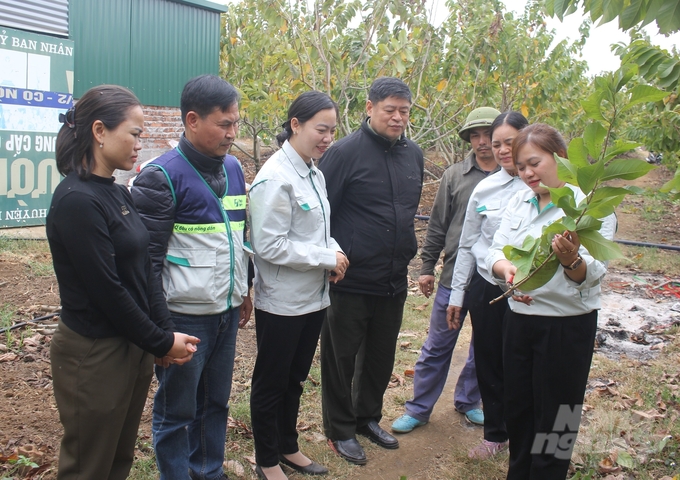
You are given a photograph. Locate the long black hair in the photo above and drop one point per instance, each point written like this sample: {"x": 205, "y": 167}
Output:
{"x": 109, "y": 104}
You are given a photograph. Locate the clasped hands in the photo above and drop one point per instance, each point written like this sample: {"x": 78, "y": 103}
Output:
{"x": 182, "y": 350}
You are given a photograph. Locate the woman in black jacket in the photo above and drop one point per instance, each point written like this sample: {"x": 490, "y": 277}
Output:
{"x": 114, "y": 318}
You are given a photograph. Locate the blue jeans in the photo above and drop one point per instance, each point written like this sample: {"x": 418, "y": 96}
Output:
{"x": 191, "y": 405}
{"x": 434, "y": 362}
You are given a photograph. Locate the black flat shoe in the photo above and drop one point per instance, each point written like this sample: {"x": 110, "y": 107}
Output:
{"x": 350, "y": 450}
{"x": 260, "y": 474}
{"x": 311, "y": 469}
{"x": 376, "y": 434}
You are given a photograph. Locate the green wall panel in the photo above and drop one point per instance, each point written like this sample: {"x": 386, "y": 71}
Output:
{"x": 150, "y": 46}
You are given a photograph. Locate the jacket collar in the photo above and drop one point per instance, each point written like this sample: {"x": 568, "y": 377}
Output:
{"x": 202, "y": 162}
{"x": 296, "y": 160}
{"x": 382, "y": 141}
{"x": 470, "y": 162}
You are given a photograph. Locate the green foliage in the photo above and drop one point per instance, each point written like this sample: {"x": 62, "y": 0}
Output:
{"x": 631, "y": 13}
{"x": 480, "y": 55}
{"x": 673, "y": 186}
{"x": 593, "y": 162}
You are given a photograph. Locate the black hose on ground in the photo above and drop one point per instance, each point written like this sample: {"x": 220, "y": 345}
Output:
{"x": 23, "y": 324}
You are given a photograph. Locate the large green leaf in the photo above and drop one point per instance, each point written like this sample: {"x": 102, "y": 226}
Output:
{"x": 611, "y": 10}
{"x": 598, "y": 246}
{"x": 602, "y": 193}
{"x": 588, "y": 223}
{"x": 619, "y": 147}
{"x": 642, "y": 94}
{"x": 578, "y": 153}
{"x": 555, "y": 228}
{"x": 589, "y": 176}
{"x": 623, "y": 75}
{"x": 668, "y": 18}
{"x": 566, "y": 171}
{"x": 604, "y": 207}
{"x": 593, "y": 138}
{"x": 592, "y": 107}
{"x": 522, "y": 257}
{"x": 626, "y": 169}
{"x": 673, "y": 185}
{"x": 632, "y": 15}
{"x": 564, "y": 198}
{"x": 540, "y": 277}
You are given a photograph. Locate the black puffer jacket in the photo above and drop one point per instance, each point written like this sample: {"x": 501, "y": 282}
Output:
{"x": 374, "y": 189}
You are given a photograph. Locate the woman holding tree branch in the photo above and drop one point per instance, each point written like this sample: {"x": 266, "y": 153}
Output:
{"x": 549, "y": 334}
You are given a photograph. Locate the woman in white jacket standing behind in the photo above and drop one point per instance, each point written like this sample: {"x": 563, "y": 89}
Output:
{"x": 295, "y": 257}
{"x": 484, "y": 212}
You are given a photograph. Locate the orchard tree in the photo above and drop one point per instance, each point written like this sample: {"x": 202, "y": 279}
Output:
{"x": 480, "y": 55}
{"x": 630, "y": 13}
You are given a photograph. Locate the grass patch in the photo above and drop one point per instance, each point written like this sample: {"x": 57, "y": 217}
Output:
{"x": 649, "y": 448}
{"x": 644, "y": 259}
{"x": 7, "y": 313}
{"x": 35, "y": 254}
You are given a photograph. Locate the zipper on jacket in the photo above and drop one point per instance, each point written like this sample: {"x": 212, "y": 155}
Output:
{"x": 225, "y": 219}
{"x": 325, "y": 230}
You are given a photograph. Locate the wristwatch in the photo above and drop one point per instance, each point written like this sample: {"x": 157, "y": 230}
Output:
{"x": 574, "y": 265}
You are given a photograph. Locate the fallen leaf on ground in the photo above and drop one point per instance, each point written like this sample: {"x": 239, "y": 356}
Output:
{"x": 8, "y": 357}
{"x": 607, "y": 465}
{"x": 232, "y": 466}
{"x": 396, "y": 381}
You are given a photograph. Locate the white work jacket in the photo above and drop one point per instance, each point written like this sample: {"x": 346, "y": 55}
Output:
{"x": 561, "y": 296}
{"x": 482, "y": 218}
{"x": 290, "y": 221}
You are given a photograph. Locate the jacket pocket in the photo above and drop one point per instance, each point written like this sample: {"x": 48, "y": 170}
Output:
{"x": 308, "y": 215}
{"x": 189, "y": 275}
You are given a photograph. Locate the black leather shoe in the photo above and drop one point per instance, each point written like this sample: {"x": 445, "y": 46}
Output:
{"x": 376, "y": 434}
{"x": 350, "y": 450}
{"x": 311, "y": 469}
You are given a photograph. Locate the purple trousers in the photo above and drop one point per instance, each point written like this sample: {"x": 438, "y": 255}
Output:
{"x": 433, "y": 365}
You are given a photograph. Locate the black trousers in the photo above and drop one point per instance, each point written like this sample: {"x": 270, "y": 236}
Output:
{"x": 546, "y": 362}
{"x": 487, "y": 322}
{"x": 285, "y": 350}
{"x": 358, "y": 343}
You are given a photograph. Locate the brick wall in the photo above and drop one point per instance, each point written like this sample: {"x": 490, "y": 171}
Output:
{"x": 160, "y": 125}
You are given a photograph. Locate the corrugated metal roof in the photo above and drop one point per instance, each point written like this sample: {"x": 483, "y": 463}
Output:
{"x": 44, "y": 16}
{"x": 204, "y": 4}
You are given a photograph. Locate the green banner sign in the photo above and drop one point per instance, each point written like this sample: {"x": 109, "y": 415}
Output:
{"x": 36, "y": 85}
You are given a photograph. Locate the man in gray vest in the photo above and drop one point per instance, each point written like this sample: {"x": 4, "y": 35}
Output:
{"x": 192, "y": 200}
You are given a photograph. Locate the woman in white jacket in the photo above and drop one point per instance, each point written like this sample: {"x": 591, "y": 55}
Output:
{"x": 484, "y": 212}
{"x": 295, "y": 257}
{"x": 548, "y": 335}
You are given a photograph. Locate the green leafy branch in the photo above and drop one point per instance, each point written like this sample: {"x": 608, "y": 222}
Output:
{"x": 593, "y": 161}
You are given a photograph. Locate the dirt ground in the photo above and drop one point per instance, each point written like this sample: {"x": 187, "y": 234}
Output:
{"x": 632, "y": 310}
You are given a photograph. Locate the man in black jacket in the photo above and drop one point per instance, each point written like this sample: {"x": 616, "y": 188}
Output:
{"x": 374, "y": 179}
